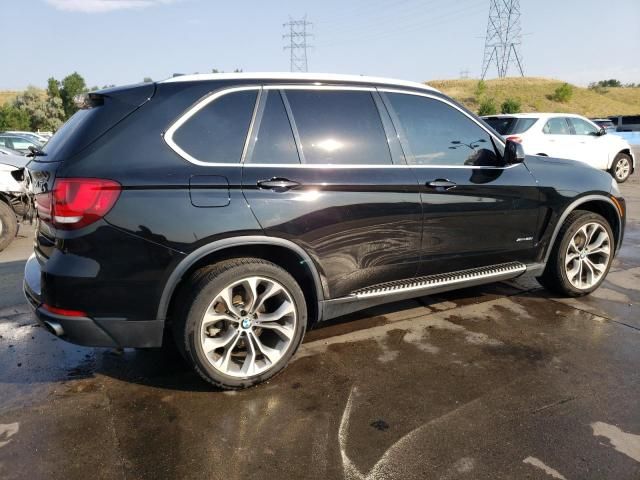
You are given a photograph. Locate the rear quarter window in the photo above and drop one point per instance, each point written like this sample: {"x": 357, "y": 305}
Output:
{"x": 216, "y": 133}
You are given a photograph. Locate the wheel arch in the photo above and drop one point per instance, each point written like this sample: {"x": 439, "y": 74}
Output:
{"x": 600, "y": 204}
{"x": 284, "y": 253}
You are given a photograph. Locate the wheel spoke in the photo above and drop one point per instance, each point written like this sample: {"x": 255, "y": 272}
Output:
{"x": 574, "y": 271}
{"x": 252, "y": 284}
{"x": 213, "y": 343}
{"x": 600, "y": 239}
{"x": 271, "y": 290}
{"x": 210, "y": 318}
{"x": 285, "y": 309}
{"x": 286, "y": 331}
{"x": 271, "y": 354}
{"x": 223, "y": 362}
{"x": 227, "y": 297}
{"x": 596, "y": 267}
{"x": 248, "y": 367}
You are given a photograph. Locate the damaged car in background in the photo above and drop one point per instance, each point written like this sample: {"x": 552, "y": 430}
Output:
{"x": 14, "y": 203}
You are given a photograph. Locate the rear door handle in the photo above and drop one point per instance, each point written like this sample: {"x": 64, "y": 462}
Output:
{"x": 442, "y": 183}
{"x": 278, "y": 184}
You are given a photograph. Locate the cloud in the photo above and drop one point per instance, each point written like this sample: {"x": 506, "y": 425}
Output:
{"x": 101, "y": 6}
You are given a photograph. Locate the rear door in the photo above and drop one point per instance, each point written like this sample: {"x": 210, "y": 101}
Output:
{"x": 556, "y": 139}
{"x": 323, "y": 170}
{"x": 477, "y": 212}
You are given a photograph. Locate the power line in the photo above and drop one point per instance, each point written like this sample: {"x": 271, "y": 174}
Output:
{"x": 504, "y": 38}
{"x": 298, "y": 43}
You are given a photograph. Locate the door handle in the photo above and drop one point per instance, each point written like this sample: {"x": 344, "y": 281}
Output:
{"x": 278, "y": 184}
{"x": 441, "y": 183}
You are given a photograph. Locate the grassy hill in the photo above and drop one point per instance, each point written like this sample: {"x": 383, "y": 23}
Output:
{"x": 534, "y": 95}
{"x": 7, "y": 96}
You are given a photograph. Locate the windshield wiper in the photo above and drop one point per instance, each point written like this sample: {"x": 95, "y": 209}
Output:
{"x": 35, "y": 152}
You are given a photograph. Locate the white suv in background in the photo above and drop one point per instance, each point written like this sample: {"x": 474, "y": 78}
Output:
{"x": 564, "y": 135}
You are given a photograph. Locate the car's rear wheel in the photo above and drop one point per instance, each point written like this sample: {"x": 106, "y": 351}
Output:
{"x": 8, "y": 225}
{"x": 621, "y": 167}
{"x": 581, "y": 256}
{"x": 242, "y": 320}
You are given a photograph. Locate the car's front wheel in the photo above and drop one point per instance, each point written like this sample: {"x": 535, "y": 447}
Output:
{"x": 621, "y": 167}
{"x": 581, "y": 256}
{"x": 241, "y": 322}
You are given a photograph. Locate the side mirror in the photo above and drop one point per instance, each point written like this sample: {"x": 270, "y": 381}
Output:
{"x": 602, "y": 131}
{"x": 513, "y": 153}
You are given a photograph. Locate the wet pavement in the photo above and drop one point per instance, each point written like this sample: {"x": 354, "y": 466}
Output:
{"x": 498, "y": 382}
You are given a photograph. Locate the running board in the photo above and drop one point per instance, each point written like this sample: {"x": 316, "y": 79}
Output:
{"x": 471, "y": 276}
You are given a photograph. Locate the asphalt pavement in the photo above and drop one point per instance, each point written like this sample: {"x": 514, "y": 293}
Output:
{"x": 499, "y": 382}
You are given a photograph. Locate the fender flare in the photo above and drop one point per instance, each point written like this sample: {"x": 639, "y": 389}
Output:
{"x": 200, "y": 253}
{"x": 573, "y": 206}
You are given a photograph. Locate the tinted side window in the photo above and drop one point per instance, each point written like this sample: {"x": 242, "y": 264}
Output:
{"x": 274, "y": 142}
{"x": 582, "y": 128}
{"x": 339, "y": 127}
{"x": 438, "y": 134}
{"x": 217, "y": 132}
{"x": 556, "y": 126}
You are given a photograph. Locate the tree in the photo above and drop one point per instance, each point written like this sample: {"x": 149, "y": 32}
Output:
{"x": 71, "y": 86}
{"x": 147, "y": 80}
{"x": 563, "y": 93}
{"x": 43, "y": 111}
{"x": 510, "y": 105}
{"x": 487, "y": 107}
{"x": 53, "y": 88}
{"x": 12, "y": 118}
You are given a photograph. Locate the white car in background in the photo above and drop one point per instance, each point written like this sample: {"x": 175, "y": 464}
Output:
{"x": 564, "y": 135}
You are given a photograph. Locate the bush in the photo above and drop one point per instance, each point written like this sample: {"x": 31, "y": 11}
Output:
{"x": 563, "y": 93}
{"x": 487, "y": 107}
{"x": 510, "y": 105}
{"x": 481, "y": 88}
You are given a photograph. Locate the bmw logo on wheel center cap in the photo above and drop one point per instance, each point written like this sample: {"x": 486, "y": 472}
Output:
{"x": 246, "y": 323}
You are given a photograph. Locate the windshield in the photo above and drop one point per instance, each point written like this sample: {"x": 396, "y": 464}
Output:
{"x": 510, "y": 125}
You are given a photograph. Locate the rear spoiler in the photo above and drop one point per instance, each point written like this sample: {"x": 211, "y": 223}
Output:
{"x": 134, "y": 95}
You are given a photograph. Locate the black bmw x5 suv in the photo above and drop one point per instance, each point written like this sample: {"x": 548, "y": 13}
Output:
{"x": 233, "y": 212}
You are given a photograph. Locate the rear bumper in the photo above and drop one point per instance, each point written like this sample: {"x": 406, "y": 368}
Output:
{"x": 91, "y": 332}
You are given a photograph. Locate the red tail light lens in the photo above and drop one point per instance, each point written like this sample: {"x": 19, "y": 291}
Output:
{"x": 77, "y": 202}
{"x": 515, "y": 138}
{"x": 64, "y": 311}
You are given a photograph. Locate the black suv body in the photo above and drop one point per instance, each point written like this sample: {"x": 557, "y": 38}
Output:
{"x": 343, "y": 192}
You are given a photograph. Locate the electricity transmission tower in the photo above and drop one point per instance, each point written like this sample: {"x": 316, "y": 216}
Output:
{"x": 504, "y": 38}
{"x": 298, "y": 45}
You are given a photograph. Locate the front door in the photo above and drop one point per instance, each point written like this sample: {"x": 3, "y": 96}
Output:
{"x": 477, "y": 211}
{"x": 321, "y": 170}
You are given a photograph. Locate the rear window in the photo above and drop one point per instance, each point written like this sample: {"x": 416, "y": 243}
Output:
{"x": 217, "y": 132}
{"x": 510, "y": 125}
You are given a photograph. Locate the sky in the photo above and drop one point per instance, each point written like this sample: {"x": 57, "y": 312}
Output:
{"x": 123, "y": 41}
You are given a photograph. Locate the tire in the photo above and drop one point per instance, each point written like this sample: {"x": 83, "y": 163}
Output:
{"x": 268, "y": 337}
{"x": 621, "y": 167}
{"x": 559, "y": 276}
{"x": 8, "y": 225}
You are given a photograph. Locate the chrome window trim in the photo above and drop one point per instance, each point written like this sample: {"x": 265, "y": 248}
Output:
{"x": 168, "y": 135}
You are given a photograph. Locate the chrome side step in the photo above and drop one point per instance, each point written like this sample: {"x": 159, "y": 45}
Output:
{"x": 436, "y": 282}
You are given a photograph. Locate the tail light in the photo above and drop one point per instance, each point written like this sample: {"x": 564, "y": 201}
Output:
{"x": 77, "y": 202}
{"x": 515, "y": 138}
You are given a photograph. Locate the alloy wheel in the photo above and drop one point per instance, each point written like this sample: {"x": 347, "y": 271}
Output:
{"x": 588, "y": 255}
{"x": 248, "y": 327}
{"x": 622, "y": 168}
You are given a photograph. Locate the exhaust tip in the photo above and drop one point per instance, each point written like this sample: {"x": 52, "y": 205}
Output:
{"x": 54, "y": 327}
